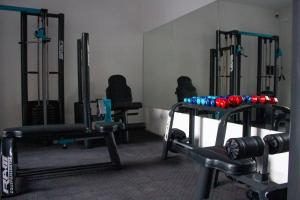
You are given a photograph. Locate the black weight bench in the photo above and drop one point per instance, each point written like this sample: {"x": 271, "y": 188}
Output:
{"x": 60, "y": 130}
{"x": 11, "y": 173}
{"x": 244, "y": 170}
{"x": 211, "y": 159}
{"x": 237, "y": 161}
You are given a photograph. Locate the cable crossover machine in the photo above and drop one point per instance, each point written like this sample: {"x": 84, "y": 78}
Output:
{"x": 226, "y": 67}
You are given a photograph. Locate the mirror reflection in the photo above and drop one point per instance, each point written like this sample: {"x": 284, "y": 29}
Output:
{"x": 226, "y": 47}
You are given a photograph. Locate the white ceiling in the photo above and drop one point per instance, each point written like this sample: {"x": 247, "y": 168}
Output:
{"x": 272, "y": 4}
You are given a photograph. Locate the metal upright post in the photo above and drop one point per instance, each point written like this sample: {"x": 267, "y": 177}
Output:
{"x": 238, "y": 67}
{"x": 247, "y": 123}
{"x": 44, "y": 71}
{"x": 276, "y": 47}
{"x": 217, "y": 61}
{"x": 86, "y": 80}
{"x": 233, "y": 64}
{"x": 259, "y": 65}
{"x": 24, "y": 78}
{"x": 212, "y": 72}
{"x": 192, "y": 140}
{"x": 79, "y": 61}
{"x": 61, "y": 90}
{"x": 294, "y": 159}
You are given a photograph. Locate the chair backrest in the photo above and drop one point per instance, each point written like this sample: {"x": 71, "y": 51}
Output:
{"x": 118, "y": 90}
{"x": 185, "y": 88}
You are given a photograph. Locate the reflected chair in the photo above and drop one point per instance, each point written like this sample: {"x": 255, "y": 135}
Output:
{"x": 185, "y": 88}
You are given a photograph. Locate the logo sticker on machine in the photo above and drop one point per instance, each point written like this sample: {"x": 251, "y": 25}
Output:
{"x": 61, "y": 50}
{"x": 88, "y": 53}
{"x": 7, "y": 175}
{"x": 167, "y": 128}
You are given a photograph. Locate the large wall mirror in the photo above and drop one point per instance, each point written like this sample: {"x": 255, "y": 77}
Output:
{"x": 179, "y": 48}
{"x": 182, "y": 48}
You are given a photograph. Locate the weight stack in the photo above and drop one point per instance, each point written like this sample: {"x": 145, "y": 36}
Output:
{"x": 78, "y": 111}
{"x": 34, "y": 113}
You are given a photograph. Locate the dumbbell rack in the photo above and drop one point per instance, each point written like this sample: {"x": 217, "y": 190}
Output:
{"x": 258, "y": 183}
{"x": 197, "y": 110}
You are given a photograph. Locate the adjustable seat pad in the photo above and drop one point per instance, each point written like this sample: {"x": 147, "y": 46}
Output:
{"x": 127, "y": 106}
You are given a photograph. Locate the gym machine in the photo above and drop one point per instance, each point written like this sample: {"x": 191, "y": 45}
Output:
{"x": 225, "y": 63}
{"x": 225, "y": 66}
{"x": 236, "y": 159}
{"x": 43, "y": 110}
{"x": 11, "y": 174}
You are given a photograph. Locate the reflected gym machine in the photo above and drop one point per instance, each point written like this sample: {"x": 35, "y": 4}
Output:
{"x": 226, "y": 59}
{"x": 42, "y": 110}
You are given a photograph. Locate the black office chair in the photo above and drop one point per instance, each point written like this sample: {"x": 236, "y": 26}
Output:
{"x": 185, "y": 88}
{"x": 121, "y": 98}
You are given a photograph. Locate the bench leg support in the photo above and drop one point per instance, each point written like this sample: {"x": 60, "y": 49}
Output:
{"x": 204, "y": 183}
{"x": 9, "y": 165}
{"x": 112, "y": 149}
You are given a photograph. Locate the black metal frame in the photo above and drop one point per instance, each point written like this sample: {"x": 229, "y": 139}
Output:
{"x": 260, "y": 77}
{"x": 24, "y": 68}
{"x": 235, "y": 74}
{"x": 82, "y": 108}
{"x": 85, "y": 78}
{"x": 10, "y": 136}
{"x": 294, "y": 160}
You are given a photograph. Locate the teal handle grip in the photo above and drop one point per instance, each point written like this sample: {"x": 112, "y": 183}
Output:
{"x": 107, "y": 104}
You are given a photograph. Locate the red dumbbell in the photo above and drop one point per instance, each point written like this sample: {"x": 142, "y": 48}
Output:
{"x": 264, "y": 99}
{"x": 231, "y": 100}
{"x": 218, "y": 102}
{"x": 239, "y": 100}
{"x": 254, "y": 99}
{"x": 273, "y": 100}
{"x": 222, "y": 103}
{"x": 235, "y": 100}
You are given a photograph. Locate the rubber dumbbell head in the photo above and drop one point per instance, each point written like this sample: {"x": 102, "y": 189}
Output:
{"x": 177, "y": 134}
{"x": 245, "y": 147}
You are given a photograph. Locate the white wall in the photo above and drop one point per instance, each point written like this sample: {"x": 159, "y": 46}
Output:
{"x": 116, "y": 46}
{"x": 158, "y": 12}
